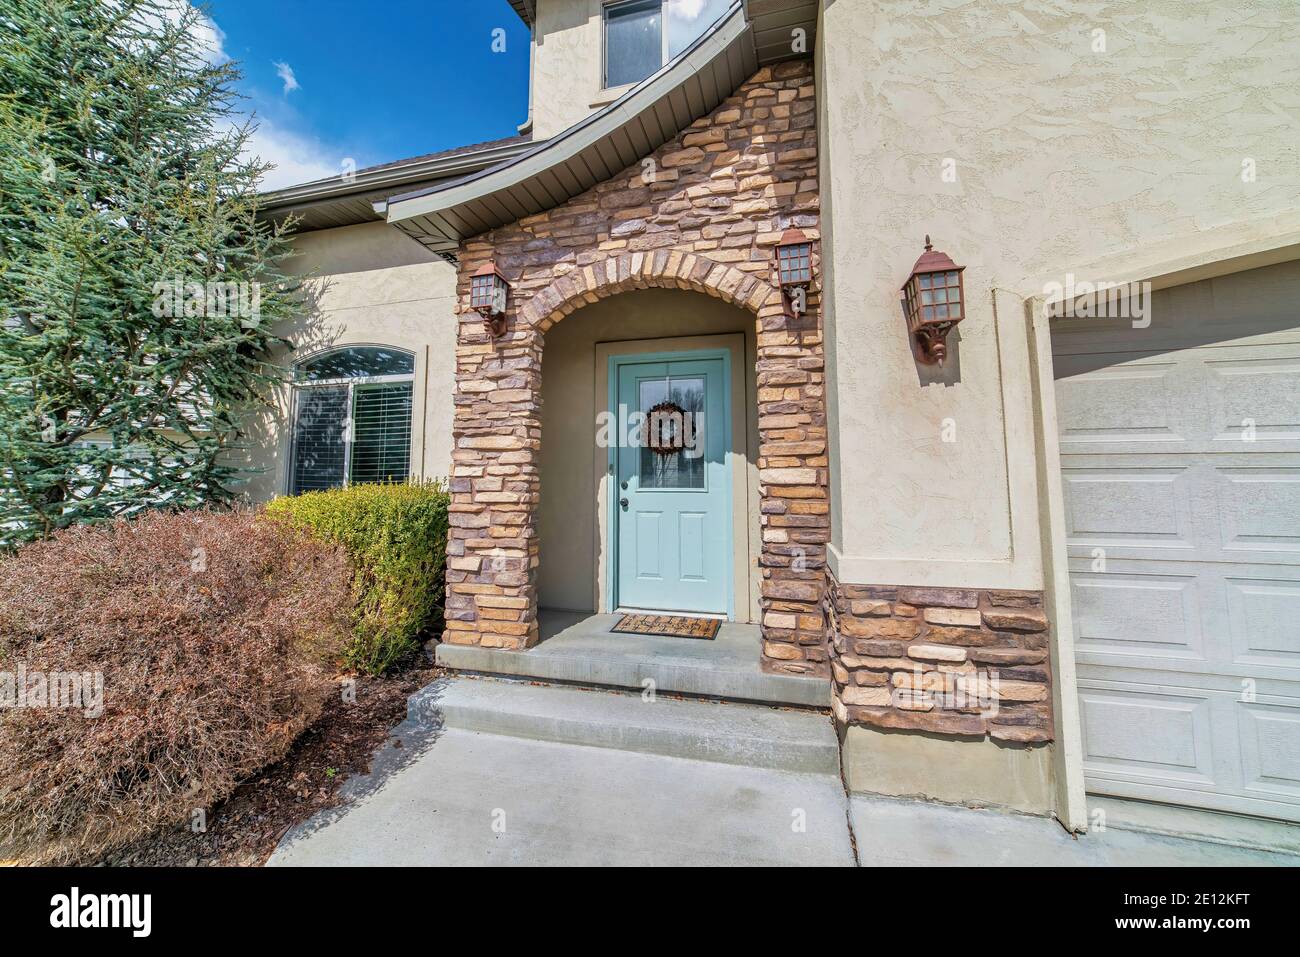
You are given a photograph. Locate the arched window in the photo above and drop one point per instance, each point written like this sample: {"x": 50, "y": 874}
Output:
{"x": 352, "y": 418}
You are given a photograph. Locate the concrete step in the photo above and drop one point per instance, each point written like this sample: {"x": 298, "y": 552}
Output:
{"x": 582, "y": 650}
{"x": 721, "y": 732}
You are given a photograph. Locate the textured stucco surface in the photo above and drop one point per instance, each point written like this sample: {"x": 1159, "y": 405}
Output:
{"x": 369, "y": 285}
{"x": 1066, "y": 160}
{"x": 566, "y": 64}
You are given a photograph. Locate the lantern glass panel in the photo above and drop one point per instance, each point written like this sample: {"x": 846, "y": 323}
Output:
{"x": 795, "y": 263}
{"x": 481, "y": 291}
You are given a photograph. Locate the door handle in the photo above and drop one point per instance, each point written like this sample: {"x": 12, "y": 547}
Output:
{"x": 623, "y": 502}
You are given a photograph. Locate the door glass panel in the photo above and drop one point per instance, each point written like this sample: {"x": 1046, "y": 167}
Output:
{"x": 674, "y": 410}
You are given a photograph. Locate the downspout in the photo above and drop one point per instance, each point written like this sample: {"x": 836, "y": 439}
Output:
{"x": 527, "y": 125}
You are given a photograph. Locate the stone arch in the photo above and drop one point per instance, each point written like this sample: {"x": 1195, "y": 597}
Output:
{"x": 492, "y": 549}
{"x": 662, "y": 269}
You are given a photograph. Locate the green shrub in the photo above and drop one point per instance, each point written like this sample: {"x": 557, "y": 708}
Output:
{"x": 396, "y": 537}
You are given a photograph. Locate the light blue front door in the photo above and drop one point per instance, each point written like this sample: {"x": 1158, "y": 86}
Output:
{"x": 673, "y": 509}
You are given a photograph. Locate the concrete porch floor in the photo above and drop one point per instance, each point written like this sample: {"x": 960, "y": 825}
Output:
{"x": 579, "y": 648}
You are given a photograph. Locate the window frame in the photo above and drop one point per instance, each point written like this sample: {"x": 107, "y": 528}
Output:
{"x": 352, "y": 383}
{"x": 605, "y": 7}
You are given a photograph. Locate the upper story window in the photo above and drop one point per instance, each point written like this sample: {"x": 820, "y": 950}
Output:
{"x": 640, "y": 36}
{"x": 634, "y": 40}
{"x": 352, "y": 418}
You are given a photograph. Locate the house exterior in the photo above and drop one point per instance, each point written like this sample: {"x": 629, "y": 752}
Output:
{"x": 1064, "y": 561}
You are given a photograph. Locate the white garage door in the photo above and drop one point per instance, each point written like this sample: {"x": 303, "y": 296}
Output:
{"x": 1180, "y": 448}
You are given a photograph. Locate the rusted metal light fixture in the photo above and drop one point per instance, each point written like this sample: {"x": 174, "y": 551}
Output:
{"x": 488, "y": 291}
{"x": 794, "y": 268}
{"x": 935, "y": 301}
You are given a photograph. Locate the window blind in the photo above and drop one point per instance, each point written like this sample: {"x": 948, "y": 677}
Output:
{"x": 381, "y": 433}
{"x": 319, "y": 448}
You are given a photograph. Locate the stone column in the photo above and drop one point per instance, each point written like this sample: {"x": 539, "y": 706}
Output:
{"x": 492, "y": 542}
{"x": 793, "y": 475}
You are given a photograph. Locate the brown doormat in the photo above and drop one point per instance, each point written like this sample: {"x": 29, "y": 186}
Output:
{"x": 672, "y": 626}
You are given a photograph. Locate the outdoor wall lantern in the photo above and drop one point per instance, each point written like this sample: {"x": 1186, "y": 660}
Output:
{"x": 934, "y": 299}
{"x": 794, "y": 268}
{"x": 487, "y": 296}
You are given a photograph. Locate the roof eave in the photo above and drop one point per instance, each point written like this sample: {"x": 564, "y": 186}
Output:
{"x": 391, "y": 177}
{"x": 527, "y": 10}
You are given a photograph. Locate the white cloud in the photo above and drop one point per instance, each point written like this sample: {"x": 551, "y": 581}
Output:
{"x": 285, "y": 73}
{"x": 298, "y": 159}
{"x": 685, "y": 20}
{"x": 687, "y": 10}
{"x": 212, "y": 40}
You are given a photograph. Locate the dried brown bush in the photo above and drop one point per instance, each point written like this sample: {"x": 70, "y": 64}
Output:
{"x": 216, "y": 634}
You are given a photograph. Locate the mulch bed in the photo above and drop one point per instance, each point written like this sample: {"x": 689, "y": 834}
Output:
{"x": 244, "y": 830}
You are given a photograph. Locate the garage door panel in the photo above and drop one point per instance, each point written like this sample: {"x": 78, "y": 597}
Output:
{"x": 1264, "y": 619}
{"x": 1160, "y": 737}
{"x": 1189, "y": 617}
{"x": 1129, "y": 616}
{"x": 1209, "y": 508}
{"x": 1133, "y": 402}
{"x": 1180, "y": 456}
{"x": 1255, "y": 400}
{"x": 1259, "y": 509}
{"x": 1128, "y": 506}
{"x": 1270, "y": 750}
{"x": 1262, "y": 299}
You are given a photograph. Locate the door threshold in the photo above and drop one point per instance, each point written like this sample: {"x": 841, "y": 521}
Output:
{"x": 621, "y": 610}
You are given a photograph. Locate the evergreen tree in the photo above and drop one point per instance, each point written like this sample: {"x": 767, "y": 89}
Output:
{"x": 138, "y": 289}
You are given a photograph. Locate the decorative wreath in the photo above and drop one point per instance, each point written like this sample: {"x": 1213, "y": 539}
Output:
{"x": 658, "y": 433}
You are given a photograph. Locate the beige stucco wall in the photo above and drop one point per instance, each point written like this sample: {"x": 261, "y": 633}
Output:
{"x": 1067, "y": 159}
{"x": 570, "y": 515}
{"x": 369, "y": 285}
{"x": 566, "y": 65}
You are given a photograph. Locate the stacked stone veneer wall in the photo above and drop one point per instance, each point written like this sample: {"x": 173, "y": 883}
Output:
{"x": 952, "y": 661}
{"x": 704, "y": 215}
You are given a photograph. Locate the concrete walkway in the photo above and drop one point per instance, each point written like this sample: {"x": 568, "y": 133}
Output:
{"x": 453, "y": 796}
{"x": 492, "y": 772}
{"x": 901, "y": 833}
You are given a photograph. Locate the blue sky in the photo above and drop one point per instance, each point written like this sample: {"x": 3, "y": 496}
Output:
{"x": 375, "y": 81}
